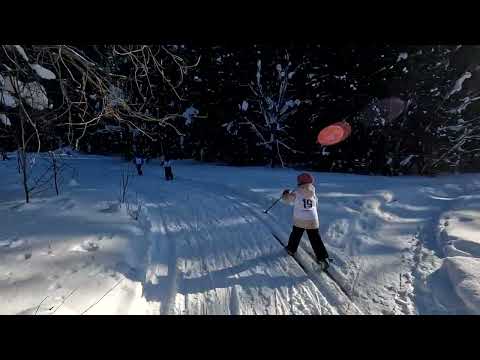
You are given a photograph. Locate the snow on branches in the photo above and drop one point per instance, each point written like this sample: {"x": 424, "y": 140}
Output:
{"x": 272, "y": 100}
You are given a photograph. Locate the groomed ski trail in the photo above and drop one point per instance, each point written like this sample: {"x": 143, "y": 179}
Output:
{"x": 211, "y": 253}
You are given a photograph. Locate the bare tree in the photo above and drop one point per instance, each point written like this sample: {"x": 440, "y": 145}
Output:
{"x": 125, "y": 178}
{"x": 58, "y": 168}
{"x": 135, "y": 209}
{"x": 47, "y": 86}
{"x": 275, "y": 106}
{"x": 458, "y": 132}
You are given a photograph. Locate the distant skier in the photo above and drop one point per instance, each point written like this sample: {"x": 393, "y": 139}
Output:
{"x": 167, "y": 165}
{"x": 305, "y": 217}
{"x": 4, "y": 155}
{"x": 139, "y": 163}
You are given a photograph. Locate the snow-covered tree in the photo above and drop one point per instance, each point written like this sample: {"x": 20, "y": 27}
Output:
{"x": 439, "y": 127}
{"x": 458, "y": 130}
{"x": 275, "y": 104}
{"x": 60, "y": 86}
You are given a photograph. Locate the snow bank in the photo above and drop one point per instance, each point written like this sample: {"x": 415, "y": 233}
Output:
{"x": 464, "y": 273}
{"x": 459, "y": 227}
{"x": 87, "y": 254}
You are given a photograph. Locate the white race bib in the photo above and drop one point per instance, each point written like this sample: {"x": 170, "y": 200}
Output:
{"x": 305, "y": 208}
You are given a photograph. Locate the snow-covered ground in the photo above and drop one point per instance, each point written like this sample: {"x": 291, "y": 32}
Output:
{"x": 202, "y": 245}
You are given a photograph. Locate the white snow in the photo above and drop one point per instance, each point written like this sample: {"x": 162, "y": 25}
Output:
{"x": 189, "y": 114}
{"x": 33, "y": 93}
{"x": 465, "y": 103}
{"x": 289, "y": 104}
{"x": 228, "y": 126}
{"x": 459, "y": 83}
{"x": 202, "y": 245}
{"x": 42, "y": 72}
{"x": 7, "y": 99}
{"x": 116, "y": 96}
{"x": 407, "y": 160}
{"x": 464, "y": 273}
{"x": 259, "y": 69}
{"x": 5, "y": 120}
{"x": 402, "y": 56}
{"x": 21, "y": 51}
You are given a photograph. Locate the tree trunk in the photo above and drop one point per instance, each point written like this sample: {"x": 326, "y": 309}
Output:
{"x": 23, "y": 163}
{"x": 54, "y": 160}
{"x": 272, "y": 158}
{"x": 24, "y": 175}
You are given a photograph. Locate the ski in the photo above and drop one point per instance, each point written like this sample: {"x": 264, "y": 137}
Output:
{"x": 345, "y": 292}
{"x": 329, "y": 274}
{"x": 325, "y": 271}
{"x": 283, "y": 245}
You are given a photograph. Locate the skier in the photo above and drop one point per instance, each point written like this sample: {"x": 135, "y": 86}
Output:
{"x": 167, "y": 164}
{"x": 138, "y": 164}
{"x": 305, "y": 217}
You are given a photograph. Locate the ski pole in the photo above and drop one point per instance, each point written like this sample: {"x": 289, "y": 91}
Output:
{"x": 271, "y": 206}
{"x": 275, "y": 202}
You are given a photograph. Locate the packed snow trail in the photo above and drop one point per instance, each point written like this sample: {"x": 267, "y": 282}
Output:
{"x": 211, "y": 255}
{"x": 203, "y": 245}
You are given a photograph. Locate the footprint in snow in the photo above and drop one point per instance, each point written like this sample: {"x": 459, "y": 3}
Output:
{"x": 4, "y": 243}
{"x": 16, "y": 243}
{"x": 55, "y": 286}
{"x": 86, "y": 246}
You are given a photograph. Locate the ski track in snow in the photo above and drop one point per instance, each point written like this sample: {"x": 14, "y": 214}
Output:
{"x": 200, "y": 247}
{"x": 210, "y": 269}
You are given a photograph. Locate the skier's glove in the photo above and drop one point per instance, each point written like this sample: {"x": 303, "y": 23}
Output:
{"x": 285, "y": 192}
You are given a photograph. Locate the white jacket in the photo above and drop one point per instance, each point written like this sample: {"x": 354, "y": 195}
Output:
{"x": 305, "y": 204}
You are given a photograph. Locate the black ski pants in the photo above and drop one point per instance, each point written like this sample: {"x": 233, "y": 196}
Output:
{"x": 315, "y": 241}
{"x": 168, "y": 173}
